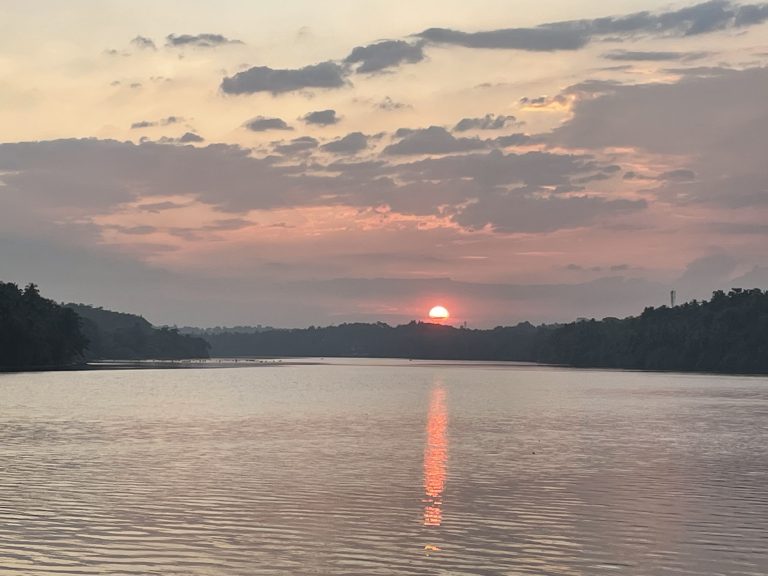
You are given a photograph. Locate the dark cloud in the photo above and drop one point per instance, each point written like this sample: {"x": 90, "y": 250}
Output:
{"x": 385, "y": 54}
{"x": 321, "y": 118}
{"x": 519, "y": 139}
{"x": 186, "y": 138}
{"x": 487, "y": 122}
{"x": 277, "y": 81}
{"x": 389, "y": 105}
{"x": 189, "y": 137}
{"x": 167, "y": 121}
{"x": 680, "y": 175}
{"x": 302, "y": 144}
{"x": 262, "y": 124}
{"x": 544, "y": 101}
{"x": 542, "y": 39}
{"x": 751, "y": 14}
{"x": 524, "y": 210}
{"x": 709, "y": 269}
{"x": 137, "y": 230}
{"x": 495, "y": 168}
{"x": 739, "y": 228}
{"x": 571, "y": 35}
{"x": 640, "y": 56}
{"x": 143, "y": 43}
{"x": 350, "y": 144}
{"x": 718, "y": 120}
{"x": 674, "y": 118}
{"x": 432, "y": 140}
{"x": 198, "y": 40}
{"x": 155, "y": 207}
{"x": 531, "y": 192}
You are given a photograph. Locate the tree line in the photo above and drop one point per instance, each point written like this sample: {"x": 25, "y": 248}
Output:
{"x": 36, "y": 332}
{"x": 727, "y": 334}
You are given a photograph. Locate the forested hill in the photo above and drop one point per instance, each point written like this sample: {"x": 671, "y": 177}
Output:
{"x": 35, "y": 331}
{"x": 38, "y": 333}
{"x": 121, "y": 336}
{"x": 727, "y": 334}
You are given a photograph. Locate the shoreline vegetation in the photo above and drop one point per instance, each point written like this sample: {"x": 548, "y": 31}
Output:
{"x": 727, "y": 335}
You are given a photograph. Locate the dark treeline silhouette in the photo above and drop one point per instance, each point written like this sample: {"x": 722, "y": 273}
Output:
{"x": 203, "y": 332}
{"x": 414, "y": 340}
{"x": 727, "y": 334}
{"x": 121, "y": 336}
{"x": 36, "y": 332}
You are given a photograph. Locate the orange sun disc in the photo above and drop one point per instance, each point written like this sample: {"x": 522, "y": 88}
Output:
{"x": 439, "y": 313}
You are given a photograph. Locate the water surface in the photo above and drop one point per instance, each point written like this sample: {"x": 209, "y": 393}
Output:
{"x": 382, "y": 467}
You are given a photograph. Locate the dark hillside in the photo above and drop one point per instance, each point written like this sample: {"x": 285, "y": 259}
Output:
{"x": 36, "y": 332}
{"x": 121, "y": 336}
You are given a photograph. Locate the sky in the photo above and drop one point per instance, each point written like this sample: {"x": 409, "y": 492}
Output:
{"x": 316, "y": 162}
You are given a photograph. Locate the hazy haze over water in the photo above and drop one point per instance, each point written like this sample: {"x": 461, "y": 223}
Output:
{"x": 382, "y": 468}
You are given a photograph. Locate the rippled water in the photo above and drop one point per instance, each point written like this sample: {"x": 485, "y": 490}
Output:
{"x": 382, "y": 468}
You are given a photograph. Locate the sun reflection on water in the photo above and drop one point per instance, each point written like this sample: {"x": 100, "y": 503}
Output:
{"x": 435, "y": 457}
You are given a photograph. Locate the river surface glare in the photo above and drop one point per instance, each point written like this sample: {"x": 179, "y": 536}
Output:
{"x": 382, "y": 467}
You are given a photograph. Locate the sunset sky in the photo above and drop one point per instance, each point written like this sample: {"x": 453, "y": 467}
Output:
{"x": 317, "y": 162}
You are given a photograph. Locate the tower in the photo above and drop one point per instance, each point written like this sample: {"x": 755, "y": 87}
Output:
{"x": 673, "y": 297}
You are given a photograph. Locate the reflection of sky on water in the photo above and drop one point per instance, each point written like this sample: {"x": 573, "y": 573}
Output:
{"x": 435, "y": 457}
{"x": 343, "y": 469}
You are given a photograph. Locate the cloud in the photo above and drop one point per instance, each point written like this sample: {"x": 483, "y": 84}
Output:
{"x": 160, "y": 206}
{"x": 533, "y": 39}
{"x": 262, "y": 124}
{"x": 278, "y": 81}
{"x": 167, "y": 121}
{"x": 198, "y": 40}
{"x": 715, "y": 121}
{"x": 389, "y": 105}
{"x": 186, "y": 138}
{"x": 679, "y": 175}
{"x": 301, "y": 144}
{"x": 751, "y": 14}
{"x": 90, "y": 176}
{"x": 709, "y": 270}
{"x": 524, "y": 210}
{"x": 701, "y": 18}
{"x": 432, "y": 140}
{"x": 321, "y": 118}
{"x": 518, "y": 139}
{"x": 385, "y": 54}
{"x": 143, "y": 43}
{"x": 137, "y": 230}
{"x": 189, "y": 137}
{"x": 487, "y": 122}
{"x": 650, "y": 56}
{"x": 350, "y": 144}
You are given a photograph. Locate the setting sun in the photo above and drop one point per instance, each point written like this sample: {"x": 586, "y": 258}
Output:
{"x": 439, "y": 313}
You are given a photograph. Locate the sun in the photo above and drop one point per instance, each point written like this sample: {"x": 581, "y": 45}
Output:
{"x": 439, "y": 313}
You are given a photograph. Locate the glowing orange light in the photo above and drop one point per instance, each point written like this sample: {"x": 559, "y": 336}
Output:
{"x": 435, "y": 458}
{"x": 439, "y": 313}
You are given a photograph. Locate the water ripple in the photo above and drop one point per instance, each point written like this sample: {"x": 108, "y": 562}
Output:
{"x": 342, "y": 470}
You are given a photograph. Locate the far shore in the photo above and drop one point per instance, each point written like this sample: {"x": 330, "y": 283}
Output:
{"x": 250, "y": 362}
